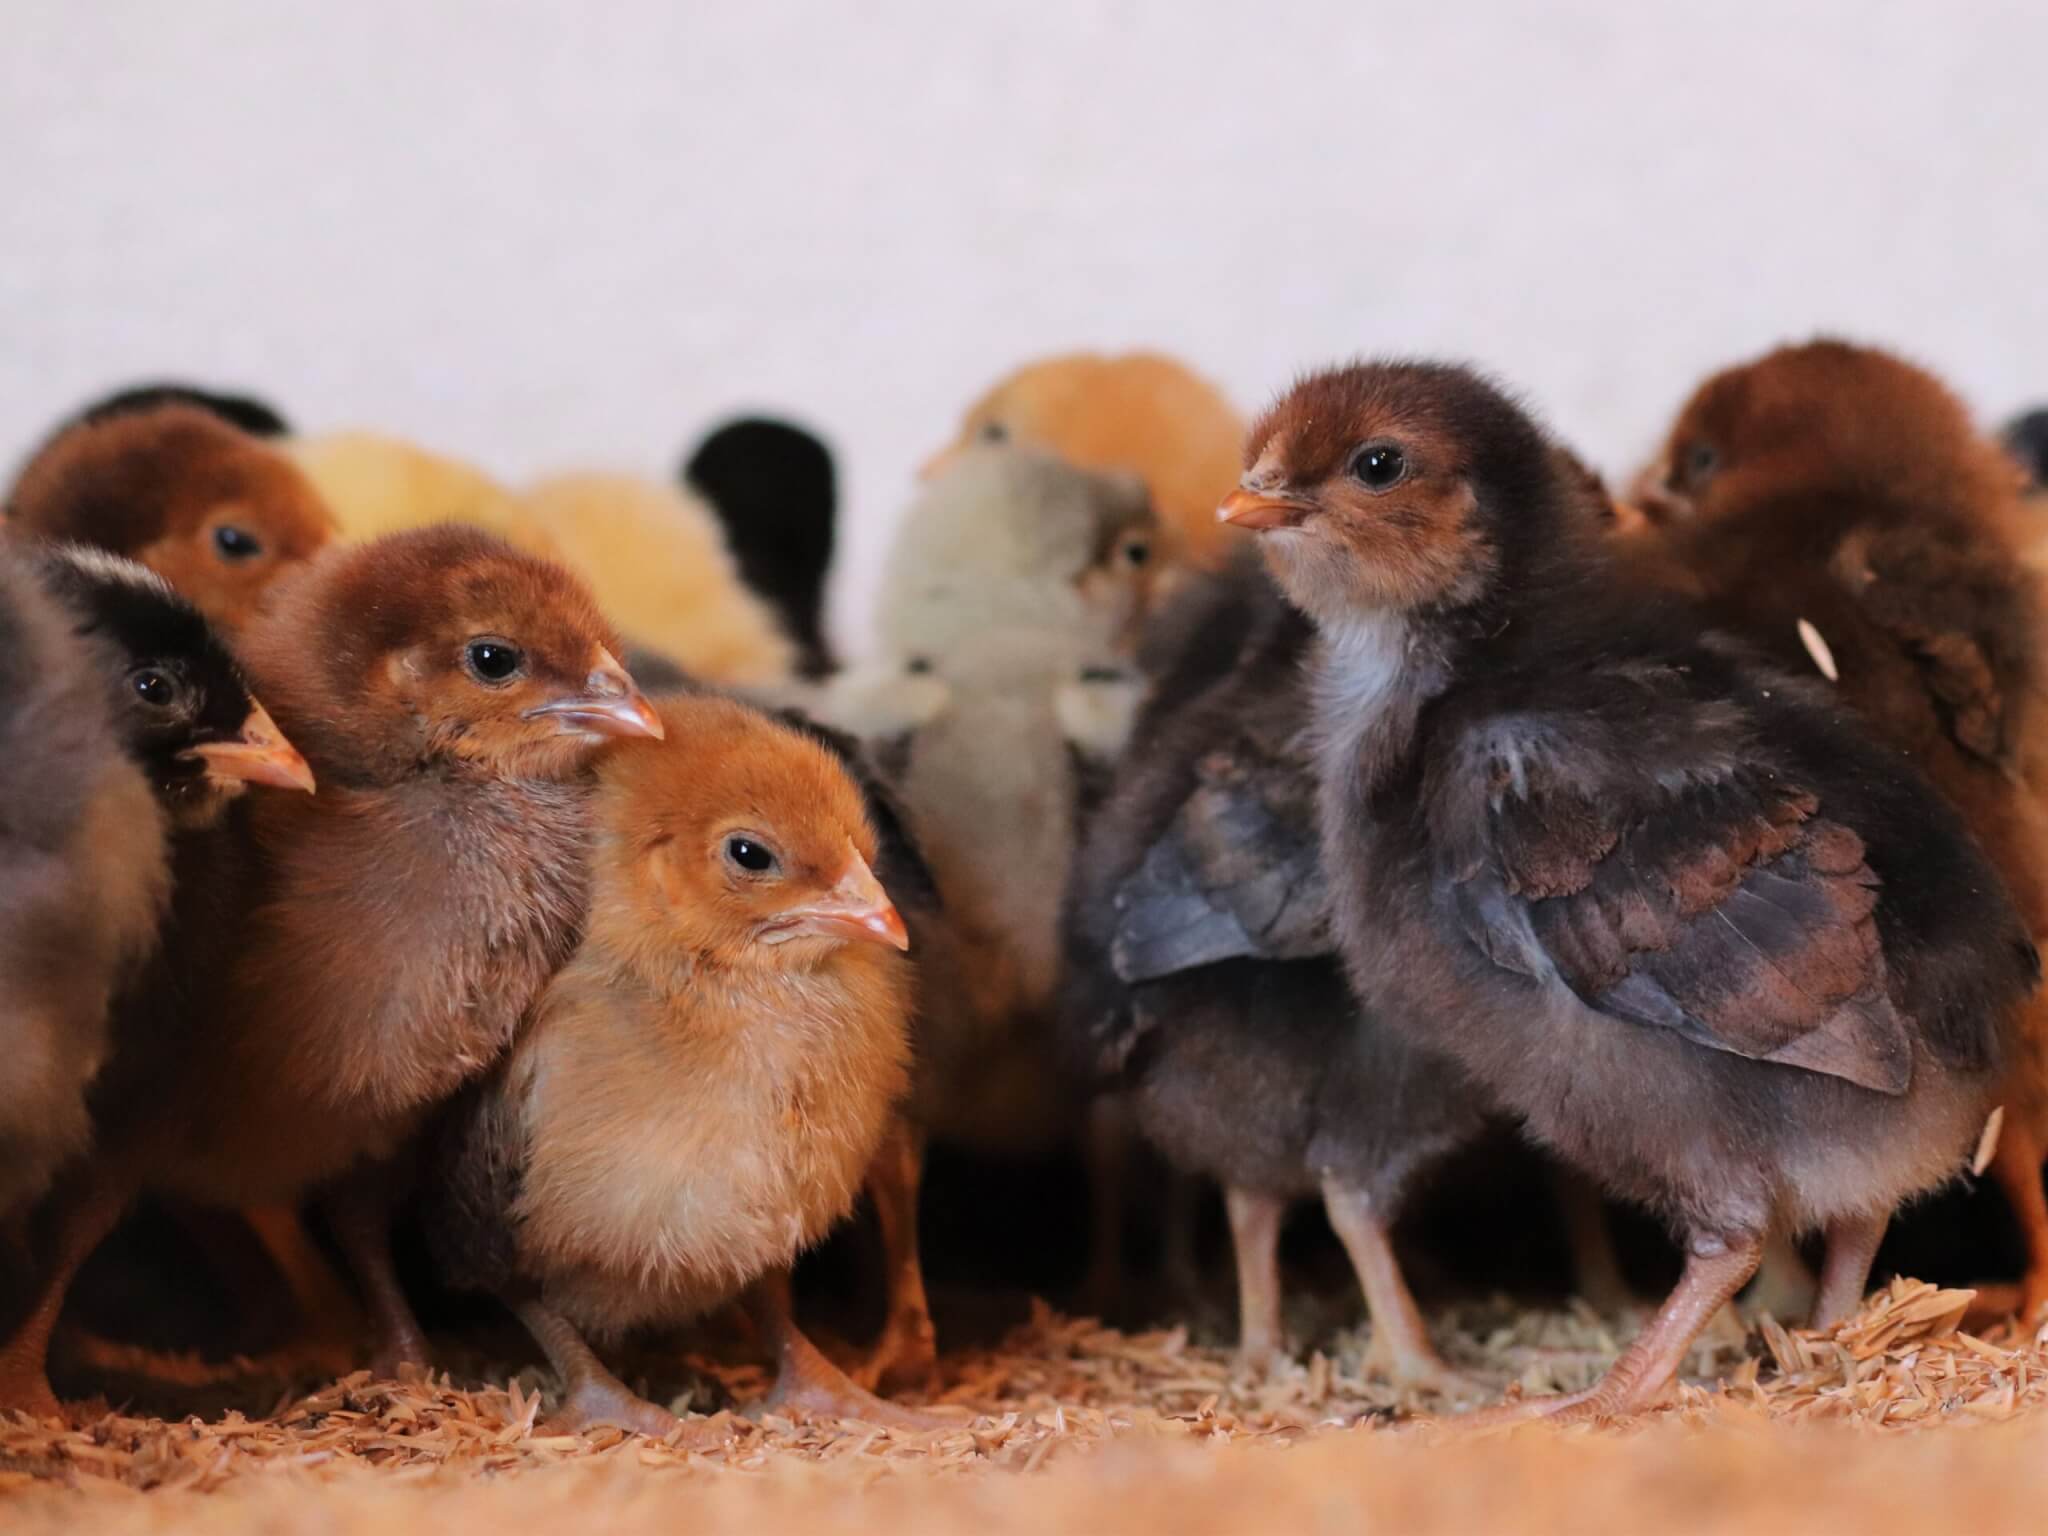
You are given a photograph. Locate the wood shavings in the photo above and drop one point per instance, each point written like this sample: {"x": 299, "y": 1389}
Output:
{"x": 1065, "y": 1400}
{"x": 1987, "y": 1142}
{"x": 1817, "y": 648}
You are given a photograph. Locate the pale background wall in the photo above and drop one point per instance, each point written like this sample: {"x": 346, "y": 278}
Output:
{"x": 572, "y": 233}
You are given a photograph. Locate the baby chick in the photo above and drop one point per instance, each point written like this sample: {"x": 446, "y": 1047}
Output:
{"x": 215, "y": 512}
{"x": 774, "y": 489}
{"x": 701, "y": 1089}
{"x": 1138, "y": 412}
{"x": 1835, "y": 505}
{"x": 357, "y": 956}
{"x": 378, "y": 484}
{"x": 257, "y": 417}
{"x": 1714, "y": 946}
{"x": 1204, "y": 982}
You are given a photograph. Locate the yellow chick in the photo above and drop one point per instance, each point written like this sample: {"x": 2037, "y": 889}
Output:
{"x": 377, "y": 484}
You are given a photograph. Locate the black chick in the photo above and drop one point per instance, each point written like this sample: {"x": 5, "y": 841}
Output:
{"x": 2026, "y": 439}
{"x": 1717, "y": 948}
{"x": 776, "y": 492}
{"x": 123, "y": 722}
{"x": 1202, "y": 978}
{"x": 256, "y": 417}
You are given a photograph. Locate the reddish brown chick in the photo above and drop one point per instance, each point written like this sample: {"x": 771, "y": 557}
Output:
{"x": 214, "y": 511}
{"x": 702, "y": 1088}
{"x": 1841, "y": 488}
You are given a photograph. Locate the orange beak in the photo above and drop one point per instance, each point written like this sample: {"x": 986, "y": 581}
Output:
{"x": 259, "y": 754}
{"x": 856, "y": 908}
{"x": 1257, "y": 512}
{"x": 609, "y": 705}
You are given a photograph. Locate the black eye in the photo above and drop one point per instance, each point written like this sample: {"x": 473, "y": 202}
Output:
{"x": 1699, "y": 463}
{"x": 1378, "y": 466}
{"x": 1137, "y": 552}
{"x": 153, "y": 687}
{"x": 236, "y": 543}
{"x": 493, "y": 661}
{"x": 749, "y": 855}
{"x": 994, "y": 432}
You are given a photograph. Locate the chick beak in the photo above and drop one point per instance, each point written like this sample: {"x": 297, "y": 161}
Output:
{"x": 855, "y": 908}
{"x": 1257, "y": 511}
{"x": 609, "y": 705}
{"x": 259, "y": 754}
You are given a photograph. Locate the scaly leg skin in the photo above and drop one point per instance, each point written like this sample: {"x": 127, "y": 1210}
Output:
{"x": 85, "y": 1214}
{"x": 1648, "y": 1366}
{"x": 1108, "y": 1151}
{"x": 1785, "y": 1285}
{"x": 1400, "y": 1349}
{"x": 1255, "y": 1222}
{"x": 906, "y": 1356}
{"x": 1845, "y": 1272}
{"x": 1596, "y": 1267}
{"x": 593, "y": 1396}
{"x": 2017, "y": 1167}
{"x": 805, "y": 1380}
{"x": 359, "y": 1209}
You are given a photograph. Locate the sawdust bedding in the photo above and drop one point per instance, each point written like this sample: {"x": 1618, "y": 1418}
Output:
{"x": 1102, "y": 1430}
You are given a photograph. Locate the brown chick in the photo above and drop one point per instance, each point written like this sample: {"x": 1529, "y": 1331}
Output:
{"x": 701, "y": 1089}
{"x": 1835, "y": 504}
{"x": 211, "y": 509}
{"x": 1137, "y": 411}
{"x": 348, "y": 963}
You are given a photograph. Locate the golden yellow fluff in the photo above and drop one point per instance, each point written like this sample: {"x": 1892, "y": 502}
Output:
{"x": 658, "y": 561}
{"x": 376, "y": 484}
{"x": 1139, "y": 411}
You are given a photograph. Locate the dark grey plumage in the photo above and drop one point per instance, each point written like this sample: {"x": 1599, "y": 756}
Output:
{"x": 1202, "y": 980}
{"x": 83, "y": 876}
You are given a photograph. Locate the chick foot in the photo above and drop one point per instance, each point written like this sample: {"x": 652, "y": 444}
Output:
{"x": 809, "y": 1383}
{"x": 904, "y": 1359}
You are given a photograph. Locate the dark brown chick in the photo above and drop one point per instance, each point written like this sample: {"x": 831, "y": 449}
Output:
{"x": 351, "y": 959}
{"x": 1836, "y": 506}
{"x": 216, "y": 512}
{"x": 1202, "y": 979}
{"x": 1667, "y": 903}
{"x": 701, "y": 1089}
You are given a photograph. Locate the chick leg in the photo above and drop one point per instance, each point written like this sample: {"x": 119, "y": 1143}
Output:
{"x": 804, "y": 1379}
{"x": 906, "y": 1355}
{"x": 1400, "y": 1349}
{"x": 1255, "y": 1222}
{"x": 592, "y": 1395}
{"x": 359, "y": 1210}
{"x": 1180, "y": 1230}
{"x": 1785, "y": 1285}
{"x": 1596, "y": 1267}
{"x": 2017, "y": 1167}
{"x": 1845, "y": 1272}
{"x": 84, "y": 1219}
{"x": 1651, "y": 1362}
{"x": 330, "y": 1318}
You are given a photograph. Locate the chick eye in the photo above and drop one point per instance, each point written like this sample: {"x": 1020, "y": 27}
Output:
{"x": 1137, "y": 552}
{"x": 994, "y": 432}
{"x": 153, "y": 687}
{"x": 752, "y": 856}
{"x": 493, "y": 661}
{"x": 1699, "y": 463}
{"x": 1378, "y": 466}
{"x": 236, "y": 543}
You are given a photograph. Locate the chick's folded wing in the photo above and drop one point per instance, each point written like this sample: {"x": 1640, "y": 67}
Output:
{"x": 1670, "y": 875}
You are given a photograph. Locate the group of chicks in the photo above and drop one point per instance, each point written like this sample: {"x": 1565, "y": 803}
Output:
{"x": 1311, "y": 800}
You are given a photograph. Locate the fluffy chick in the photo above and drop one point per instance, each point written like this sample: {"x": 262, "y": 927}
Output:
{"x": 126, "y": 724}
{"x": 1842, "y": 489}
{"x": 1715, "y": 947}
{"x": 377, "y": 484}
{"x": 776, "y": 492}
{"x": 1203, "y": 981}
{"x": 215, "y": 512}
{"x": 254, "y": 416}
{"x": 656, "y": 557}
{"x": 701, "y": 1089}
{"x": 1138, "y": 411}
{"x": 354, "y": 958}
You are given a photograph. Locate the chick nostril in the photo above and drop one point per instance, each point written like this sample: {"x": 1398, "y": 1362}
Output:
{"x": 605, "y": 684}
